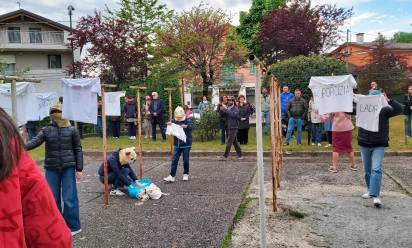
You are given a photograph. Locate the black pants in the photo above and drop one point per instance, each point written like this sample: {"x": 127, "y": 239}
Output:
{"x": 232, "y": 140}
{"x": 116, "y": 128}
{"x": 243, "y": 136}
{"x": 158, "y": 121}
{"x": 329, "y": 135}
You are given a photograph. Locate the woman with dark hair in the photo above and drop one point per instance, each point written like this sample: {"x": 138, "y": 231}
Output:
{"x": 244, "y": 114}
{"x": 26, "y": 191}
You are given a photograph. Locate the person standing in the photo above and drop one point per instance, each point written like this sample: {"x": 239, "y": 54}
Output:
{"x": 63, "y": 164}
{"x": 129, "y": 111}
{"x": 244, "y": 114}
{"x": 203, "y": 105}
{"x": 285, "y": 97}
{"x": 375, "y": 86}
{"x": 327, "y": 127}
{"x": 222, "y": 120}
{"x": 265, "y": 110}
{"x": 407, "y": 111}
{"x": 372, "y": 148}
{"x": 316, "y": 124}
{"x": 297, "y": 110}
{"x": 157, "y": 109}
{"x": 231, "y": 112}
{"x": 181, "y": 147}
{"x": 342, "y": 127}
{"x": 147, "y": 116}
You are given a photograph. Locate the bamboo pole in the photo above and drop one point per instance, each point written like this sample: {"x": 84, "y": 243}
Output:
{"x": 170, "y": 90}
{"x": 139, "y": 128}
{"x": 273, "y": 134}
{"x": 104, "y": 125}
{"x": 279, "y": 133}
{"x": 182, "y": 89}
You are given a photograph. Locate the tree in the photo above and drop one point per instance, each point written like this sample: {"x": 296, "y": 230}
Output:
{"x": 385, "y": 67}
{"x": 297, "y": 71}
{"x": 250, "y": 22}
{"x": 116, "y": 53}
{"x": 200, "y": 39}
{"x": 300, "y": 29}
{"x": 402, "y": 37}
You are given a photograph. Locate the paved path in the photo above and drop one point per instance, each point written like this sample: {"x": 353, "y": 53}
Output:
{"x": 336, "y": 216}
{"x": 197, "y": 213}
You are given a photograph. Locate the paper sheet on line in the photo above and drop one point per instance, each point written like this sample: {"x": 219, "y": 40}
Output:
{"x": 177, "y": 131}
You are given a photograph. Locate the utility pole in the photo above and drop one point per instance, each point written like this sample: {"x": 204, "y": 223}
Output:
{"x": 70, "y": 8}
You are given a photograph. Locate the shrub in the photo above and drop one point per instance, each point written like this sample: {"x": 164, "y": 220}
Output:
{"x": 207, "y": 127}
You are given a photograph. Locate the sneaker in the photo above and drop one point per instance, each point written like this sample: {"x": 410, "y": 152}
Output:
{"x": 286, "y": 144}
{"x": 222, "y": 158}
{"x": 76, "y": 232}
{"x": 366, "y": 196}
{"x": 185, "y": 177}
{"x": 313, "y": 144}
{"x": 319, "y": 144}
{"x": 116, "y": 192}
{"x": 377, "y": 202}
{"x": 240, "y": 158}
{"x": 133, "y": 137}
{"x": 327, "y": 145}
{"x": 169, "y": 179}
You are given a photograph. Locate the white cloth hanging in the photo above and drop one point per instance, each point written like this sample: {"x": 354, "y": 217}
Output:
{"x": 177, "y": 131}
{"x": 112, "y": 103}
{"x": 333, "y": 93}
{"x": 41, "y": 104}
{"x": 24, "y": 92}
{"x": 80, "y": 99}
{"x": 368, "y": 109}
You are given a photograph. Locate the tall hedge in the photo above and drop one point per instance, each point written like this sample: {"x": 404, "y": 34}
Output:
{"x": 297, "y": 71}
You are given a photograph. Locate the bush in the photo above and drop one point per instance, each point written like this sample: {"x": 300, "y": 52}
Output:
{"x": 207, "y": 127}
{"x": 297, "y": 71}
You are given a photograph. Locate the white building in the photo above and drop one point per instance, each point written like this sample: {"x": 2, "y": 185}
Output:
{"x": 37, "y": 46}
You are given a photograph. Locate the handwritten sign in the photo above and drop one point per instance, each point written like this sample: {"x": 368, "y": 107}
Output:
{"x": 368, "y": 109}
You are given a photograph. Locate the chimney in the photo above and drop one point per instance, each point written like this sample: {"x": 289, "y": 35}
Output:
{"x": 360, "y": 37}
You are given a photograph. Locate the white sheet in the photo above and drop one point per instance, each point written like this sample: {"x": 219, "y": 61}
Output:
{"x": 41, "y": 104}
{"x": 177, "y": 131}
{"x": 368, "y": 109}
{"x": 112, "y": 103}
{"x": 24, "y": 92}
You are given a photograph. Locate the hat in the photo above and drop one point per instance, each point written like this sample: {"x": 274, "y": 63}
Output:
{"x": 375, "y": 92}
{"x": 180, "y": 114}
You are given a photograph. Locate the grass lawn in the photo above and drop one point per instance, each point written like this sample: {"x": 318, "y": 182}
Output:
{"x": 397, "y": 143}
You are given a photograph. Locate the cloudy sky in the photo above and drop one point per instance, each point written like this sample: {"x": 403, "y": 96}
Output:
{"x": 371, "y": 16}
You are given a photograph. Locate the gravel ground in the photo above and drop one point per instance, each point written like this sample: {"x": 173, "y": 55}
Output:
{"x": 335, "y": 215}
{"x": 197, "y": 213}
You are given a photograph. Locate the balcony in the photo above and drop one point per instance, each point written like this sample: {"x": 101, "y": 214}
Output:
{"x": 14, "y": 40}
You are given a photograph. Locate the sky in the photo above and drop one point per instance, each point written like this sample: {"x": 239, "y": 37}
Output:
{"x": 370, "y": 16}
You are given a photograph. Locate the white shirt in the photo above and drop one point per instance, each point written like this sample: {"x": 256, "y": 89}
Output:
{"x": 41, "y": 104}
{"x": 333, "y": 93}
{"x": 177, "y": 131}
{"x": 368, "y": 109}
{"x": 24, "y": 92}
{"x": 112, "y": 102}
{"x": 80, "y": 99}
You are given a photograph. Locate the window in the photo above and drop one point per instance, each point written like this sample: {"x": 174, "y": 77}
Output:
{"x": 55, "y": 61}
{"x": 8, "y": 69}
{"x": 35, "y": 35}
{"x": 251, "y": 68}
{"x": 14, "y": 34}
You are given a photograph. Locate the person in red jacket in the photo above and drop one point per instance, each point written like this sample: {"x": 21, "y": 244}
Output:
{"x": 29, "y": 217}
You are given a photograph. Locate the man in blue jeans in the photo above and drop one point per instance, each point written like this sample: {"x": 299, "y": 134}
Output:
{"x": 297, "y": 111}
{"x": 372, "y": 147}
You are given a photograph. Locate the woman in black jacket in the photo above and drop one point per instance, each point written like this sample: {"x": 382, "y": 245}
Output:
{"x": 244, "y": 114}
{"x": 372, "y": 147}
{"x": 407, "y": 111}
{"x": 63, "y": 164}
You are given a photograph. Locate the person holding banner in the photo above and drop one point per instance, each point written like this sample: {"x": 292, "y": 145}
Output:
{"x": 372, "y": 147}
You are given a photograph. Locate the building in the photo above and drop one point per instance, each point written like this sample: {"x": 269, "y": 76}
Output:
{"x": 358, "y": 53}
{"x": 36, "y": 47}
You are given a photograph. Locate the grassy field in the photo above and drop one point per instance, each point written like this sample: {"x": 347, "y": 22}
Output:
{"x": 397, "y": 143}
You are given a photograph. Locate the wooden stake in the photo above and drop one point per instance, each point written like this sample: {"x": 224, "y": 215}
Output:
{"x": 273, "y": 135}
{"x": 183, "y": 92}
{"x": 139, "y": 128}
{"x": 104, "y": 125}
{"x": 170, "y": 90}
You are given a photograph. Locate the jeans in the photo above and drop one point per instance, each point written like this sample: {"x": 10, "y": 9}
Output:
{"x": 158, "y": 121}
{"x": 115, "y": 180}
{"x": 408, "y": 119}
{"x": 100, "y": 127}
{"x": 243, "y": 136}
{"x": 176, "y": 155}
{"x": 232, "y": 140}
{"x": 266, "y": 119}
{"x": 63, "y": 185}
{"x": 131, "y": 129}
{"x": 116, "y": 128}
{"x": 147, "y": 126}
{"x": 372, "y": 158}
{"x": 291, "y": 125}
{"x": 316, "y": 132}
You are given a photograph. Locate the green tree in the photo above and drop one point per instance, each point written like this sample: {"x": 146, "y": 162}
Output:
{"x": 250, "y": 22}
{"x": 297, "y": 71}
{"x": 402, "y": 37}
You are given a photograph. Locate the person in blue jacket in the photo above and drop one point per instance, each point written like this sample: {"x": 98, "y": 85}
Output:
{"x": 120, "y": 173}
{"x": 181, "y": 147}
{"x": 285, "y": 97}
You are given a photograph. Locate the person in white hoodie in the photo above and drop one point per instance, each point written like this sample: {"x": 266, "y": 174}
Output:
{"x": 316, "y": 124}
